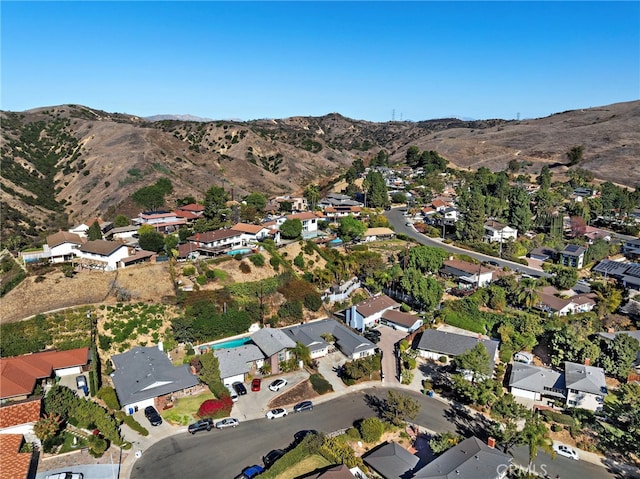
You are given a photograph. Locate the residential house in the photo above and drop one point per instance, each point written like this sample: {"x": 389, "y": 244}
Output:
{"x": 586, "y": 386}
{"x": 298, "y": 203}
{"x": 140, "y": 256}
{"x": 469, "y": 275}
{"x": 61, "y": 246}
{"x": 592, "y": 234}
{"x": 495, "y": 232}
{"x": 334, "y": 213}
{"x": 392, "y": 461}
{"x": 19, "y": 417}
{"x": 82, "y": 229}
{"x": 313, "y": 335}
{"x": 542, "y": 253}
{"x": 274, "y": 343}
{"x": 143, "y": 374}
{"x": 469, "y": 459}
{"x": 309, "y": 223}
{"x": 13, "y": 463}
{"x": 401, "y": 321}
{"x": 450, "y": 215}
{"x": 236, "y": 363}
{"x": 19, "y": 374}
{"x": 101, "y": 254}
{"x": 337, "y": 199}
{"x": 533, "y": 385}
{"x": 628, "y": 274}
{"x": 163, "y": 221}
{"x": 192, "y": 208}
{"x": 251, "y": 233}
{"x": 368, "y": 312}
{"x": 631, "y": 248}
{"x": 125, "y": 234}
{"x": 434, "y": 344}
{"x": 582, "y": 193}
{"x": 373, "y": 234}
{"x": 215, "y": 242}
{"x": 573, "y": 256}
{"x": 549, "y": 302}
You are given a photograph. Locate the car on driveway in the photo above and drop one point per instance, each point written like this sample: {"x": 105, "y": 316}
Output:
{"x": 152, "y": 415}
{"x": 277, "y": 412}
{"x": 278, "y": 384}
{"x": 250, "y": 472}
{"x": 566, "y": 451}
{"x": 228, "y": 422}
{"x": 255, "y": 384}
{"x": 271, "y": 457}
{"x": 240, "y": 389}
{"x": 303, "y": 406}
{"x": 66, "y": 475}
{"x": 81, "y": 381}
{"x": 201, "y": 425}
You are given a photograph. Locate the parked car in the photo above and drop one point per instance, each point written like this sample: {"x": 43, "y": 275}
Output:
{"x": 81, "y": 382}
{"x": 303, "y": 406}
{"x": 566, "y": 451}
{"x": 153, "y": 416}
{"x": 255, "y": 384}
{"x": 271, "y": 457}
{"x": 232, "y": 393}
{"x": 277, "y": 412}
{"x": 250, "y": 472}
{"x": 66, "y": 475}
{"x": 374, "y": 338}
{"x": 300, "y": 435}
{"x": 240, "y": 389}
{"x": 278, "y": 384}
{"x": 201, "y": 425}
{"x": 228, "y": 422}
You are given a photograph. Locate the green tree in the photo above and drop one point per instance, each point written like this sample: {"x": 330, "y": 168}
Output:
{"x": 94, "y": 232}
{"x": 350, "y": 228}
{"x": 375, "y": 190}
{"x": 426, "y": 290}
{"x": 378, "y": 221}
{"x": 291, "y": 229}
{"x": 120, "y": 221}
{"x": 473, "y": 216}
{"x": 544, "y": 179}
{"x": 210, "y": 374}
{"x": 302, "y": 353}
{"x": 151, "y": 241}
{"x": 215, "y": 202}
{"x": 444, "y": 441}
{"x": 427, "y": 259}
{"x": 257, "y": 200}
{"x": 412, "y": 156}
{"x": 575, "y": 154}
{"x": 618, "y": 355}
{"x": 170, "y": 244}
{"x": 624, "y": 414}
{"x": 398, "y": 197}
{"x": 398, "y": 408}
{"x": 149, "y": 197}
{"x": 312, "y": 194}
{"x": 47, "y": 427}
{"x": 519, "y": 209}
{"x": 371, "y": 429}
{"x": 535, "y": 435}
{"x": 476, "y": 361}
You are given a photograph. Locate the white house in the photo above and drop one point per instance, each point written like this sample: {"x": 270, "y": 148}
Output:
{"x": 401, "y": 321}
{"x": 165, "y": 221}
{"x": 586, "y": 386}
{"x": 101, "y": 254}
{"x": 536, "y": 385}
{"x": 251, "y": 233}
{"x": 368, "y": 312}
{"x": 374, "y": 234}
{"x": 61, "y": 246}
{"x": 216, "y": 241}
{"x": 309, "y": 223}
{"x": 468, "y": 274}
{"x": 495, "y": 232}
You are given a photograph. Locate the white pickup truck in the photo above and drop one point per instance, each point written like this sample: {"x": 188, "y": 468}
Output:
{"x": 66, "y": 475}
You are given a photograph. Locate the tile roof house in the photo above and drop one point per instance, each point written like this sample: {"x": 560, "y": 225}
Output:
{"x": 468, "y": 274}
{"x": 13, "y": 463}
{"x": 145, "y": 373}
{"x": 18, "y": 374}
{"x": 368, "y": 312}
{"x": 392, "y": 461}
{"x": 19, "y": 417}
{"x": 101, "y": 254}
{"x": 251, "y": 233}
{"x": 274, "y": 343}
{"x": 469, "y": 459}
{"x": 434, "y": 343}
{"x": 215, "y": 242}
{"x": 165, "y": 221}
{"x": 61, "y": 246}
{"x": 586, "y": 386}
{"x": 309, "y": 222}
{"x": 347, "y": 341}
{"x": 402, "y": 321}
{"x": 535, "y": 384}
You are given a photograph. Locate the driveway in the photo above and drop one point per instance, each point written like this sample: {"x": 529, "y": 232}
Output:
{"x": 388, "y": 339}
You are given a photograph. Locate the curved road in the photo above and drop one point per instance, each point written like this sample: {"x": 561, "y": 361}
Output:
{"x": 398, "y": 221}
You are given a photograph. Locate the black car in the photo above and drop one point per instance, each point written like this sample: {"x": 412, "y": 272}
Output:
{"x": 153, "y": 416}
{"x": 300, "y": 435}
{"x": 374, "y": 338}
{"x": 271, "y": 457}
{"x": 303, "y": 406}
{"x": 201, "y": 425}
{"x": 239, "y": 388}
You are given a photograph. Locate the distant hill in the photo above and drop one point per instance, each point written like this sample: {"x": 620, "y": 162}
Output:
{"x": 176, "y": 117}
{"x": 61, "y": 165}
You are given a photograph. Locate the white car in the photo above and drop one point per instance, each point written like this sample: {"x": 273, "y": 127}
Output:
{"x": 229, "y": 422}
{"x": 566, "y": 451}
{"x": 66, "y": 475}
{"x": 277, "y": 412}
{"x": 278, "y": 384}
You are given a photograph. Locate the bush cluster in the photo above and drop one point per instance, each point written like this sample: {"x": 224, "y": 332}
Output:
{"x": 215, "y": 408}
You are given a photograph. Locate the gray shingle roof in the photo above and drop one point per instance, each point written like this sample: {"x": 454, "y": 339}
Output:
{"x": 144, "y": 373}
{"x": 236, "y": 361}
{"x": 272, "y": 341}
{"x": 348, "y": 341}
{"x": 585, "y": 378}
{"x": 470, "y": 459}
{"x": 535, "y": 378}
{"x": 392, "y": 461}
{"x": 453, "y": 344}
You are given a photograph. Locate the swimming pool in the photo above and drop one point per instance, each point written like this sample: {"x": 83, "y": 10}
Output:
{"x": 233, "y": 343}
{"x": 239, "y": 251}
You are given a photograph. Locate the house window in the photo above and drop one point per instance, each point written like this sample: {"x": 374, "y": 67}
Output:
{"x": 282, "y": 356}
{"x": 572, "y": 403}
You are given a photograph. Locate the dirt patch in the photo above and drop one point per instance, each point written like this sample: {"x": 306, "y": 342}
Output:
{"x": 300, "y": 392}
{"x": 53, "y": 291}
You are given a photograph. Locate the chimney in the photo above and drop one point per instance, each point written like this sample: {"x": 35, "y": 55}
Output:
{"x": 587, "y": 361}
{"x": 491, "y": 442}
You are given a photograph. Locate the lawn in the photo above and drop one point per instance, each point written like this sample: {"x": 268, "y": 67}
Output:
{"x": 308, "y": 464}
{"x": 184, "y": 409}
{"x": 68, "y": 445}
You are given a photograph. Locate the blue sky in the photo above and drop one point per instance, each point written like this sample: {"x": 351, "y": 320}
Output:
{"x": 365, "y": 60}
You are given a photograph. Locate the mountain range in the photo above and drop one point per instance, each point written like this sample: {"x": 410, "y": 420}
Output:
{"x": 64, "y": 164}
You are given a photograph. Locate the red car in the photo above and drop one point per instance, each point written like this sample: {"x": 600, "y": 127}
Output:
{"x": 255, "y": 384}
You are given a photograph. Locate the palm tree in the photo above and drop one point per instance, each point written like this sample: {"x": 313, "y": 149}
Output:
{"x": 302, "y": 353}
{"x": 536, "y": 435}
{"x": 527, "y": 292}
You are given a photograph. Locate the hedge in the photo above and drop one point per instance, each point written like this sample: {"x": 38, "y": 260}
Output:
{"x": 136, "y": 426}
{"x": 320, "y": 384}
{"x": 108, "y": 395}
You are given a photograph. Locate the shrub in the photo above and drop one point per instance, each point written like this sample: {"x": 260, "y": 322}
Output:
{"x": 313, "y": 301}
{"x": 353, "y": 434}
{"x": 443, "y": 359}
{"x": 108, "y": 395}
{"x": 216, "y": 408}
{"x": 298, "y": 261}
{"x": 257, "y": 259}
{"x": 371, "y": 429}
{"x": 136, "y": 426}
{"x": 189, "y": 270}
{"x": 98, "y": 446}
{"x": 320, "y": 384}
{"x": 201, "y": 280}
{"x": 245, "y": 268}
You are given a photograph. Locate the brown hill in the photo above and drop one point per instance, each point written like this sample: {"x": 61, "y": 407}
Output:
{"x": 61, "y": 165}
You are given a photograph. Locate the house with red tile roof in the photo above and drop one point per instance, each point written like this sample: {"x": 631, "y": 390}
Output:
{"x": 20, "y": 416}
{"x": 13, "y": 463}
{"x": 19, "y": 374}
{"x": 309, "y": 221}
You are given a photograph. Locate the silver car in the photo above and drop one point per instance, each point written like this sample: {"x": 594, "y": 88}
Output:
{"x": 229, "y": 422}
